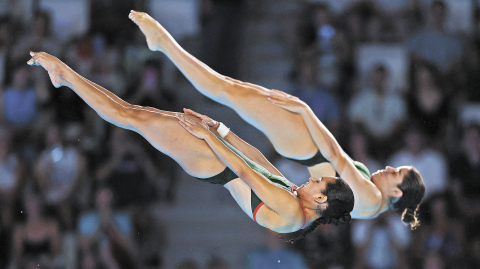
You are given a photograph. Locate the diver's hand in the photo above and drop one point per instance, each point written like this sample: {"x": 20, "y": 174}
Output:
{"x": 199, "y": 130}
{"x": 286, "y": 101}
{"x": 207, "y": 120}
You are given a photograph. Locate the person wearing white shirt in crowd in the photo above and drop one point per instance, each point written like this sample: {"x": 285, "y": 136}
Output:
{"x": 430, "y": 163}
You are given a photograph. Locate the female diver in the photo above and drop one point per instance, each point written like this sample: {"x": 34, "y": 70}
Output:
{"x": 258, "y": 188}
{"x": 295, "y": 131}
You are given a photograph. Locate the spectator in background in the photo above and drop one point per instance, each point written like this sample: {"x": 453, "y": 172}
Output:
{"x": 379, "y": 112}
{"x": 60, "y": 170}
{"x": 433, "y": 43}
{"x": 12, "y": 176}
{"x": 402, "y": 23}
{"x": 39, "y": 37}
{"x": 316, "y": 36}
{"x": 374, "y": 29}
{"x": 20, "y": 100}
{"x": 415, "y": 14}
{"x": 21, "y": 109}
{"x": 428, "y": 102}
{"x": 317, "y": 28}
{"x": 443, "y": 235}
{"x": 80, "y": 53}
{"x": 470, "y": 71}
{"x": 363, "y": 21}
{"x": 128, "y": 170}
{"x": 36, "y": 241}
{"x": 465, "y": 169}
{"x": 6, "y": 40}
{"x": 223, "y": 22}
{"x": 150, "y": 239}
{"x": 344, "y": 52}
{"x": 275, "y": 254}
{"x": 313, "y": 33}
{"x": 291, "y": 33}
{"x": 380, "y": 243}
{"x": 353, "y": 21}
{"x": 429, "y": 162}
{"x": 107, "y": 18}
{"x": 106, "y": 235}
{"x": 317, "y": 95}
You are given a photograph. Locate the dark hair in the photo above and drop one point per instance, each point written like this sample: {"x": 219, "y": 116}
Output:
{"x": 413, "y": 189}
{"x": 340, "y": 203}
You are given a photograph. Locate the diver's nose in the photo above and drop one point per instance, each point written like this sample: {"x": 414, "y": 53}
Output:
{"x": 389, "y": 168}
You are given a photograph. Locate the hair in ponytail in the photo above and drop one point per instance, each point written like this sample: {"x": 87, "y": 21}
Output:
{"x": 410, "y": 217}
{"x": 340, "y": 203}
{"x": 413, "y": 189}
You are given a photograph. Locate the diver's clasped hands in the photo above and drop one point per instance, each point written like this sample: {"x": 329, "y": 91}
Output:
{"x": 198, "y": 129}
{"x": 207, "y": 120}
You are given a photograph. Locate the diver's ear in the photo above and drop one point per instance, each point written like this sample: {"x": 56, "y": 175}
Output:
{"x": 321, "y": 199}
{"x": 397, "y": 193}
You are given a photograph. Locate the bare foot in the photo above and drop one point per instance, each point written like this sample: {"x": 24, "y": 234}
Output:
{"x": 52, "y": 64}
{"x": 153, "y": 31}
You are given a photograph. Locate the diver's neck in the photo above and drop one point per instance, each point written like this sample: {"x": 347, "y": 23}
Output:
{"x": 384, "y": 206}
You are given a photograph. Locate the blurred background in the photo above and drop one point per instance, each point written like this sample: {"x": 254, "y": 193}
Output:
{"x": 77, "y": 192}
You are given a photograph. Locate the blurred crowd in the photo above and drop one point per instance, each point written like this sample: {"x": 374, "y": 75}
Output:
{"x": 77, "y": 192}
{"x": 397, "y": 87}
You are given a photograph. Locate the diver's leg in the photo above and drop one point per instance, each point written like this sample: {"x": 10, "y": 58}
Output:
{"x": 159, "y": 127}
{"x": 287, "y": 131}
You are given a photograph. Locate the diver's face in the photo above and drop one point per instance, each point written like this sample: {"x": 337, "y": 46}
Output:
{"x": 389, "y": 178}
{"x": 314, "y": 187}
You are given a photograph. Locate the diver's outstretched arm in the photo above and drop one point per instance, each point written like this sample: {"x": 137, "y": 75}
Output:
{"x": 326, "y": 142}
{"x": 248, "y": 150}
{"x": 276, "y": 198}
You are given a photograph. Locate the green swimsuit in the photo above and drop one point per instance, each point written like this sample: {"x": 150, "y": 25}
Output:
{"x": 227, "y": 175}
